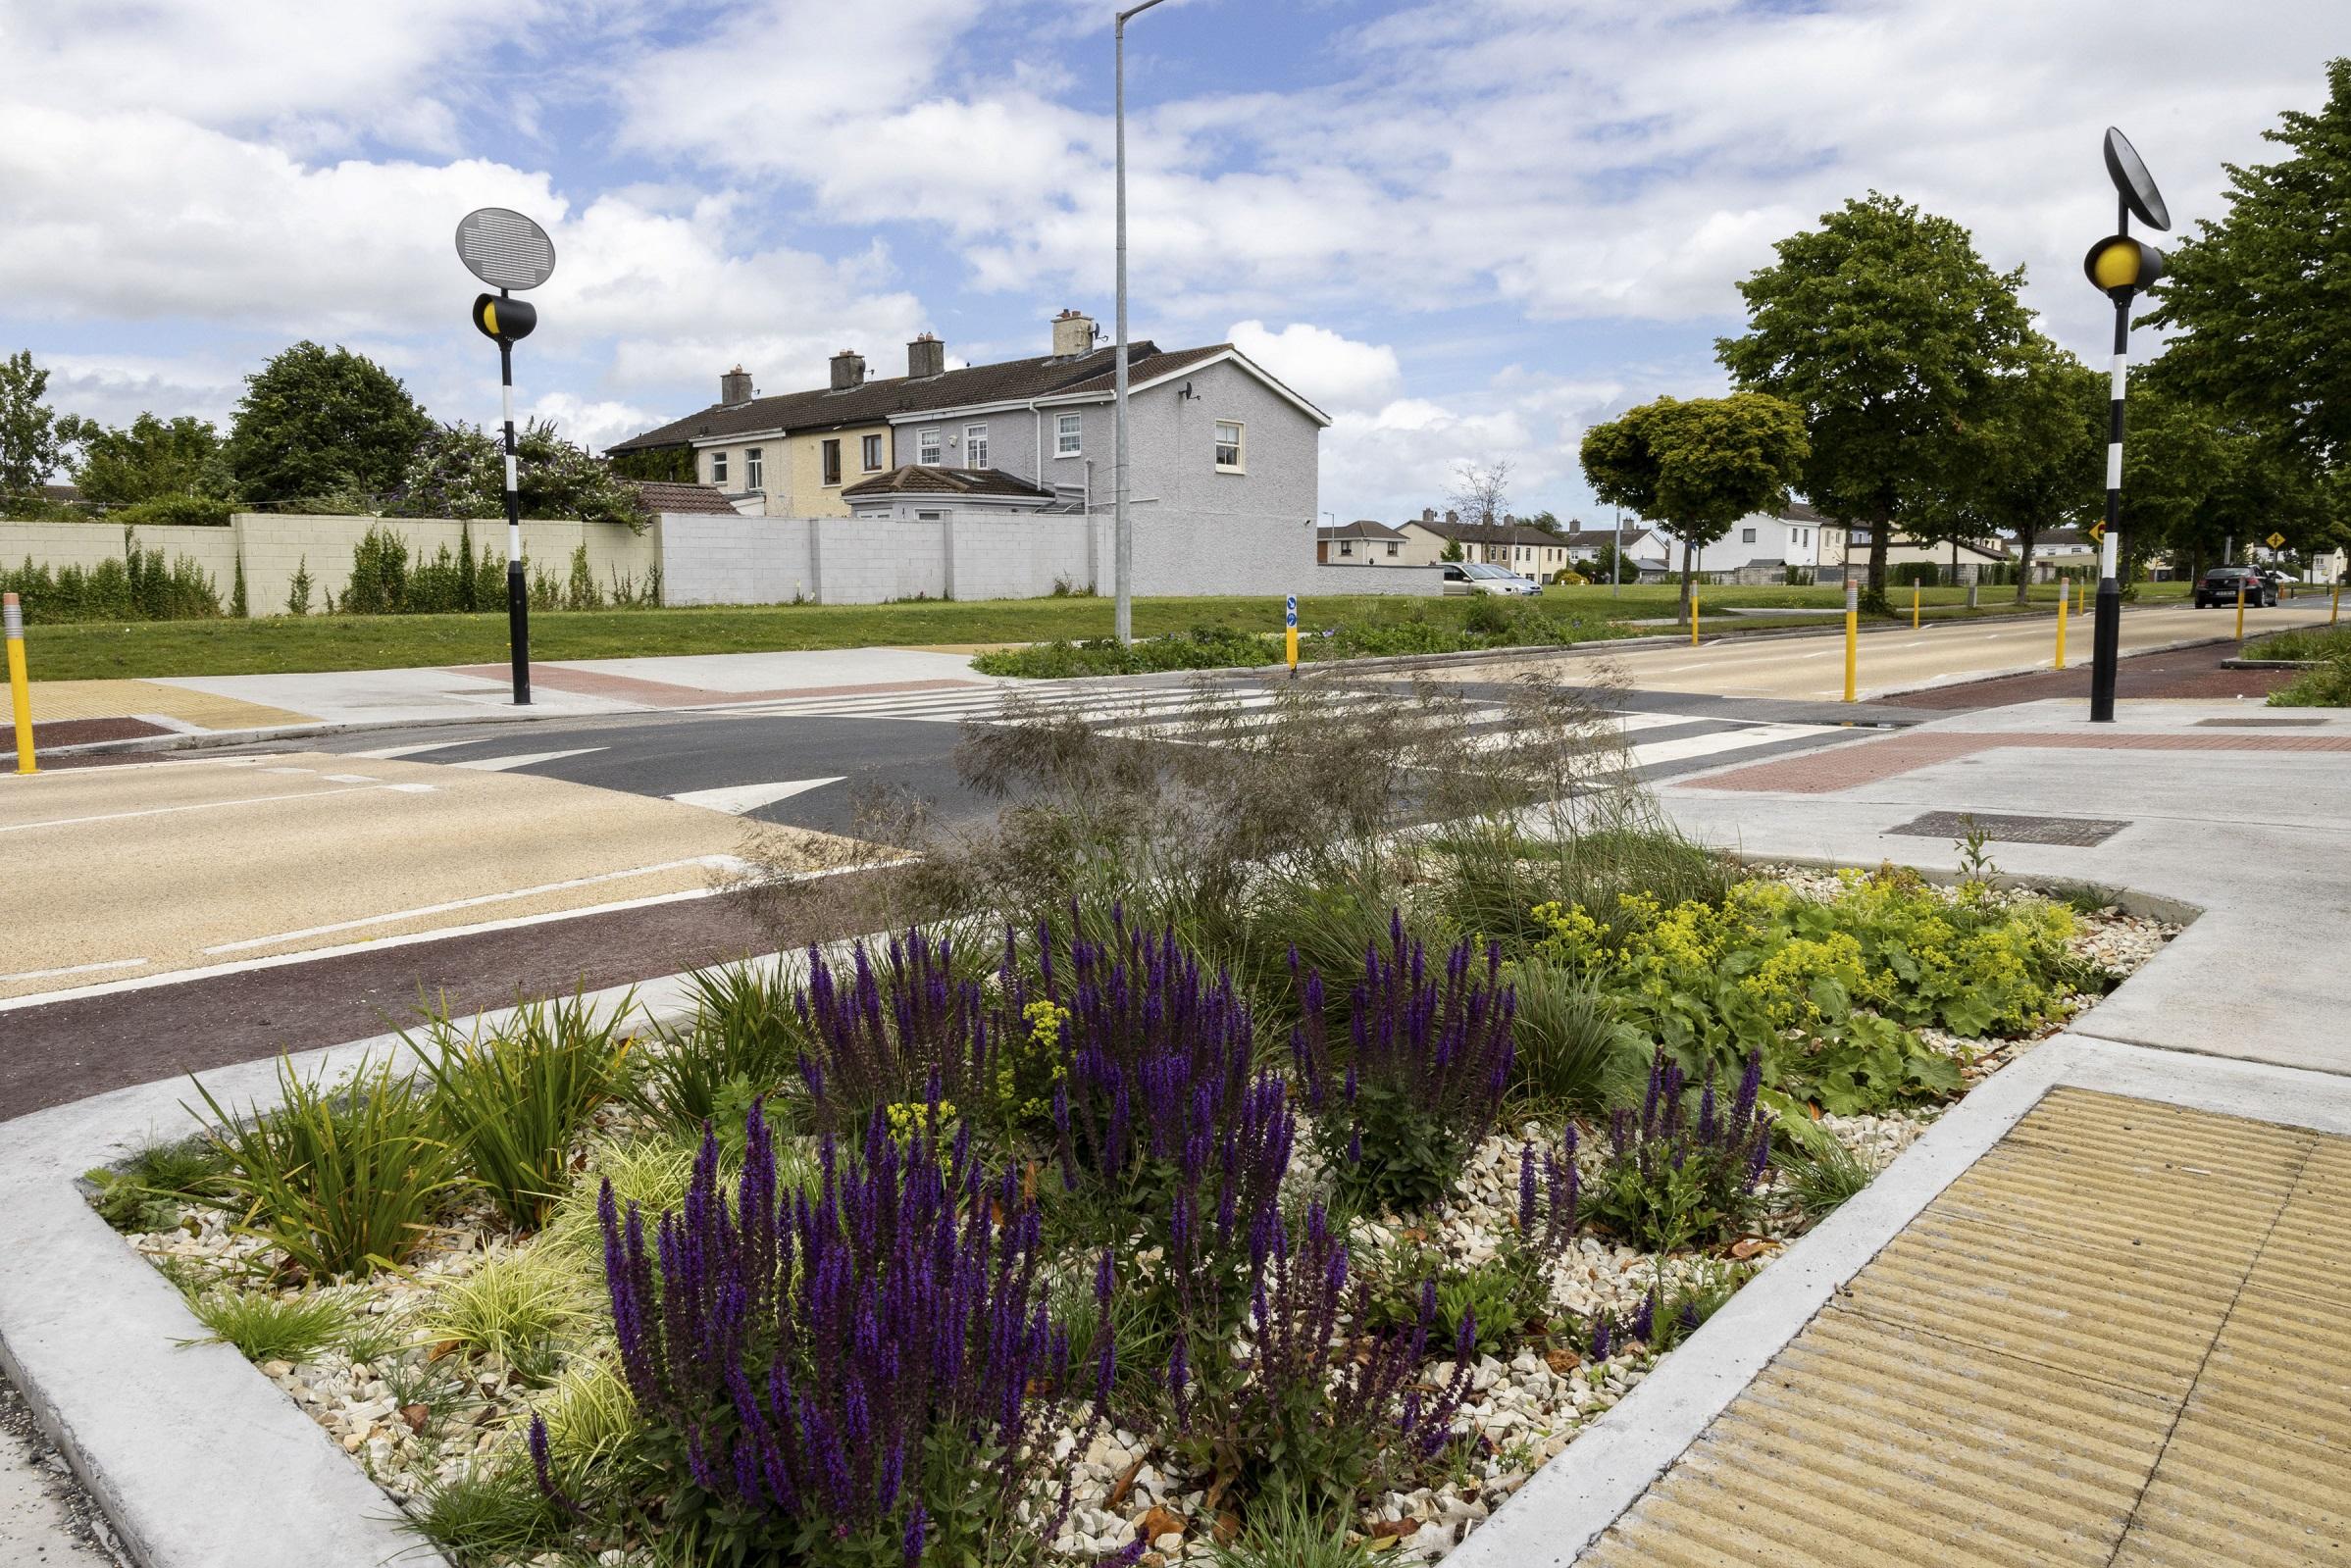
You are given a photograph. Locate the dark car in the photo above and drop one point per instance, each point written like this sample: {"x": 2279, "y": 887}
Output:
{"x": 2222, "y": 583}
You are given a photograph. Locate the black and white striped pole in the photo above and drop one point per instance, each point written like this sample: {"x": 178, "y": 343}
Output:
{"x": 509, "y": 251}
{"x": 2121, "y": 268}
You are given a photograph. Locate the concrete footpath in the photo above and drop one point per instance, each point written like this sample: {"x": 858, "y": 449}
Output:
{"x": 2094, "y": 1315}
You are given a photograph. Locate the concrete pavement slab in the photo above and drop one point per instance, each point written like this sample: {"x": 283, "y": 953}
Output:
{"x": 386, "y": 696}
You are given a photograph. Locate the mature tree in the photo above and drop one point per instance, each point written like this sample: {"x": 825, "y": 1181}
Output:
{"x": 314, "y": 421}
{"x": 460, "y": 471}
{"x": 1481, "y": 491}
{"x": 28, "y": 446}
{"x": 145, "y": 460}
{"x": 2259, "y": 299}
{"x": 2206, "y": 486}
{"x": 1885, "y": 328}
{"x": 2032, "y": 458}
{"x": 1697, "y": 466}
{"x": 1546, "y": 522}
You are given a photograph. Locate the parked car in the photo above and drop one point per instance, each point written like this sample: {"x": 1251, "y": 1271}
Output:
{"x": 1475, "y": 578}
{"x": 2222, "y": 583}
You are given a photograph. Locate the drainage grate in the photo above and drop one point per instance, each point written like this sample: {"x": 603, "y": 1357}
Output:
{"x": 2079, "y": 832}
{"x": 2260, "y": 724}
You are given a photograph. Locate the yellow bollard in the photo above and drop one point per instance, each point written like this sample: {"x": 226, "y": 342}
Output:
{"x": 20, "y": 686}
{"x": 1852, "y": 638}
{"x": 2064, "y": 600}
{"x": 2240, "y": 609}
{"x": 1289, "y": 632}
{"x": 1693, "y": 616}
{"x": 1913, "y": 607}
{"x": 2335, "y": 612}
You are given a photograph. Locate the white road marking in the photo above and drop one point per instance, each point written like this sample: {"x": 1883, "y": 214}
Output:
{"x": 526, "y": 760}
{"x": 72, "y": 969}
{"x": 386, "y": 753}
{"x": 736, "y": 800}
{"x": 353, "y": 778}
{"x": 709, "y": 862}
{"x": 1688, "y": 747}
{"x": 206, "y": 805}
{"x": 290, "y": 771}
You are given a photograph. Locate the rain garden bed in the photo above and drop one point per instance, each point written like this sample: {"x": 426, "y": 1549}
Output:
{"x": 1097, "y": 1237}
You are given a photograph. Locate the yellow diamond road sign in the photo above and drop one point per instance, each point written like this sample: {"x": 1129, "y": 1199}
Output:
{"x": 2098, "y": 530}
{"x": 2276, "y": 541}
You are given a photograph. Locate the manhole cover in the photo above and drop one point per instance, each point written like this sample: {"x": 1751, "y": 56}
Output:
{"x": 2079, "y": 832}
{"x": 2260, "y": 724}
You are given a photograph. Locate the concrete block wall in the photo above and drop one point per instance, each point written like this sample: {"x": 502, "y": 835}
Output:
{"x": 278, "y": 545}
{"x": 1424, "y": 582}
{"x": 86, "y": 544}
{"x": 736, "y": 560}
{"x": 1016, "y": 555}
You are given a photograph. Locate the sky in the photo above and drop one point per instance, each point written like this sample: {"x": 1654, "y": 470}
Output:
{"x": 1467, "y": 228}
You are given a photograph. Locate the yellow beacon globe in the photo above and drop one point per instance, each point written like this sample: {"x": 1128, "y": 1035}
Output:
{"x": 2116, "y": 265}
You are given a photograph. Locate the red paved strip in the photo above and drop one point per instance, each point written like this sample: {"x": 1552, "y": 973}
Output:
{"x": 668, "y": 694}
{"x": 82, "y": 732}
{"x": 2179, "y": 672}
{"x": 1867, "y": 762}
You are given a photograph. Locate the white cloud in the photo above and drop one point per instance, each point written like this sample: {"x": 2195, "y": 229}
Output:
{"x": 1321, "y": 365}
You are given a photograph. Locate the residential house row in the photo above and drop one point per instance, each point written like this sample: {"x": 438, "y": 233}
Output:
{"x": 1210, "y": 431}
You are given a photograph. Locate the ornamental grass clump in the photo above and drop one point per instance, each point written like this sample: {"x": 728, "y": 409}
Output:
{"x": 852, "y": 1376}
{"x": 1672, "y": 1178}
{"x": 1318, "y": 1406}
{"x": 1429, "y": 1058}
{"x": 907, "y": 1031}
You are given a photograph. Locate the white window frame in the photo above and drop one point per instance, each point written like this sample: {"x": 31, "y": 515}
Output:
{"x": 1747, "y": 536}
{"x": 930, "y": 517}
{"x": 1069, "y": 434}
{"x": 754, "y": 467}
{"x": 834, "y": 442}
{"x": 718, "y": 467}
{"x": 1240, "y": 445}
{"x": 975, "y": 446}
{"x": 1346, "y": 546}
{"x": 927, "y": 446}
{"x": 869, "y": 453}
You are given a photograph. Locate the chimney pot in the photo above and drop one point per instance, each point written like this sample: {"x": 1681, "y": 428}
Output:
{"x": 1073, "y": 334}
{"x": 849, "y": 370}
{"x": 735, "y": 386}
{"x": 926, "y": 356}
{"x": 1452, "y": 516}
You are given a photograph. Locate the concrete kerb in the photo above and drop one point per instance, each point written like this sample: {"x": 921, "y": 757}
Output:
{"x": 1565, "y": 1507}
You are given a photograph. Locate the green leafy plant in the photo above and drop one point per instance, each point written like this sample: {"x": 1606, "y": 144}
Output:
{"x": 1285, "y": 1533}
{"x": 1822, "y": 1180}
{"x": 1974, "y": 851}
{"x": 1573, "y": 1052}
{"x": 747, "y": 1040}
{"x": 271, "y": 1327}
{"x": 490, "y": 1512}
{"x": 145, "y": 1192}
{"x": 517, "y": 1307}
{"x": 1677, "y": 1173}
{"x": 515, "y": 1098}
{"x": 341, "y": 1181}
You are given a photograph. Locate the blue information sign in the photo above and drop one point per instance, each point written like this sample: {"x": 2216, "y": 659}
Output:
{"x": 1290, "y": 611}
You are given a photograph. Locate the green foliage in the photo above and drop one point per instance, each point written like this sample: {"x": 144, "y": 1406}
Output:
{"x": 1504, "y": 1298}
{"x": 271, "y": 1328}
{"x": 315, "y": 421}
{"x": 515, "y": 1307}
{"x": 2327, "y": 687}
{"x": 29, "y": 441}
{"x": 1202, "y": 648}
{"x": 515, "y": 1099}
{"x": 1697, "y": 465}
{"x": 175, "y": 511}
{"x": 150, "y": 463}
{"x": 1574, "y": 1054}
{"x": 492, "y": 1512}
{"x": 460, "y": 471}
{"x": 1886, "y": 328}
{"x": 137, "y": 588}
{"x": 298, "y": 590}
{"x": 652, "y": 1173}
{"x": 671, "y": 464}
{"x": 1284, "y": 1533}
{"x": 382, "y": 583}
{"x": 341, "y": 1180}
{"x": 1823, "y": 1178}
{"x": 589, "y": 1413}
{"x": 747, "y": 1040}
{"x": 146, "y": 1191}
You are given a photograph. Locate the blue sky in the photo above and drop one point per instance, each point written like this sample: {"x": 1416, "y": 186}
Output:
{"x": 1467, "y": 228}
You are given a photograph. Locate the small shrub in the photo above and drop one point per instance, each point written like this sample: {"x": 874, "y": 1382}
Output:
{"x": 1824, "y": 1178}
{"x": 906, "y": 1032}
{"x": 1672, "y": 1178}
{"x": 1283, "y": 1534}
{"x": 747, "y": 1037}
{"x": 493, "y": 1511}
{"x": 1428, "y": 1061}
{"x": 145, "y": 1192}
{"x": 1571, "y": 1051}
{"x": 342, "y": 1182}
{"x": 271, "y": 1327}
{"x": 515, "y": 1099}
{"x": 298, "y": 590}
{"x": 516, "y": 1307}
{"x": 2329, "y": 685}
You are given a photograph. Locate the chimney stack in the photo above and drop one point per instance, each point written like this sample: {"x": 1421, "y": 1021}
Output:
{"x": 1073, "y": 334}
{"x": 849, "y": 370}
{"x": 735, "y": 386}
{"x": 926, "y": 356}
{"x": 1428, "y": 514}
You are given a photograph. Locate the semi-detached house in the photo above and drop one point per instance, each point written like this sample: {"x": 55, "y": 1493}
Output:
{"x": 1211, "y": 436}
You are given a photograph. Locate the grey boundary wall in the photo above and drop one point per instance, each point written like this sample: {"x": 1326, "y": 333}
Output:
{"x": 707, "y": 560}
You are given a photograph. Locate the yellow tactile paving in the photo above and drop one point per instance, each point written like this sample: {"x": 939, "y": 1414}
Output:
{"x": 53, "y": 700}
{"x": 2123, "y": 1337}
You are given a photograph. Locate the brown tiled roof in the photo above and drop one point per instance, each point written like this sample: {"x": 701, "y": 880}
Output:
{"x": 1361, "y": 529}
{"x": 663, "y": 495}
{"x": 916, "y": 479}
{"x": 1501, "y": 534}
{"x": 878, "y": 400}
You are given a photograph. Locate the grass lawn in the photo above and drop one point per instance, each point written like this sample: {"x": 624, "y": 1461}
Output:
{"x": 285, "y": 644}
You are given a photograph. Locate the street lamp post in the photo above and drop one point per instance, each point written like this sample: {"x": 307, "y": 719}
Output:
{"x": 509, "y": 251}
{"x": 1122, "y": 624}
{"x": 2120, "y": 267}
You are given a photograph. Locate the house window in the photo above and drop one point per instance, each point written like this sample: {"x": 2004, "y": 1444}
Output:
{"x": 1346, "y": 546}
{"x": 873, "y": 454}
{"x": 1747, "y": 536}
{"x": 718, "y": 467}
{"x": 755, "y": 469}
{"x": 1391, "y": 546}
{"x": 831, "y": 451}
{"x": 927, "y": 516}
{"x": 926, "y": 448}
{"x": 975, "y": 446}
{"x": 1228, "y": 447}
{"x": 1067, "y": 431}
